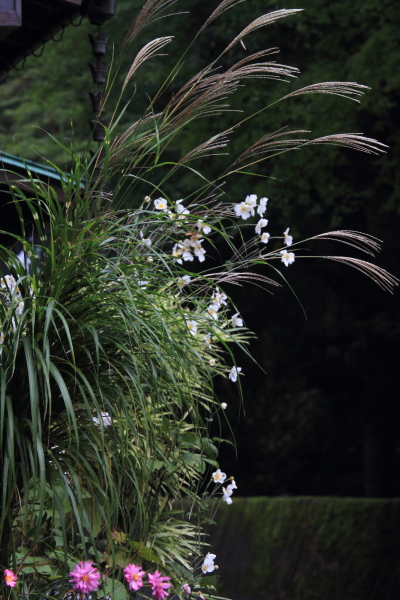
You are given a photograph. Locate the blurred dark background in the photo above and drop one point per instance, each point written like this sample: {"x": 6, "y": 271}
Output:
{"x": 321, "y": 416}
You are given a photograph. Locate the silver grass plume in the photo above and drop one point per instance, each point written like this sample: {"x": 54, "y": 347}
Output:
{"x": 135, "y": 128}
{"x": 147, "y": 52}
{"x": 238, "y": 278}
{"x": 362, "y": 241}
{"x": 356, "y": 141}
{"x": 223, "y": 7}
{"x": 150, "y": 12}
{"x": 337, "y": 88}
{"x": 273, "y": 142}
{"x": 267, "y": 19}
{"x": 200, "y": 96}
{"x": 214, "y": 143}
{"x": 381, "y": 277}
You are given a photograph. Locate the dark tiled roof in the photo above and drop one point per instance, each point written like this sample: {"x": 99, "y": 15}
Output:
{"x": 42, "y": 20}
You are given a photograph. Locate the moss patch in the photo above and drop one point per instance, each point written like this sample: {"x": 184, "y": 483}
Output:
{"x": 309, "y": 548}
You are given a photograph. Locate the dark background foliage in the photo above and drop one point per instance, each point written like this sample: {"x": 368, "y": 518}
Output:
{"x": 323, "y": 416}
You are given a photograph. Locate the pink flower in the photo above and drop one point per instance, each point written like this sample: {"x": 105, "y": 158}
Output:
{"x": 133, "y": 575}
{"x": 10, "y": 578}
{"x": 85, "y": 577}
{"x": 158, "y": 585}
{"x": 186, "y": 589}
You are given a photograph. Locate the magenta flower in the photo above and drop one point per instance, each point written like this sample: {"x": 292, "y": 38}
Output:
{"x": 133, "y": 575}
{"x": 158, "y": 585}
{"x": 10, "y": 578}
{"x": 85, "y": 577}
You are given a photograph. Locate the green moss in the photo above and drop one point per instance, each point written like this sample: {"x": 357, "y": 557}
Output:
{"x": 309, "y": 548}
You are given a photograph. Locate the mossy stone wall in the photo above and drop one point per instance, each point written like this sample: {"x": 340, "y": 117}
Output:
{"x": 308, "y": 548}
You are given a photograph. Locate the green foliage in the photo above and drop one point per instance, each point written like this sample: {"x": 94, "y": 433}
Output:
{"x": 309, "y": 548}
{"x": 101, "y": 414}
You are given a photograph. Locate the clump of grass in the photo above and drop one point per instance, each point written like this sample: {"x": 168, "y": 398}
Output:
{"x": 110, "y": 342}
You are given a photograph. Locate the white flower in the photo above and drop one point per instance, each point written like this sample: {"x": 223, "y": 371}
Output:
{"x": 147, "y": 241}
{"x": 233, "y": 373}
{"x": 251, "y": 201}
{"x": 227, "y": 491}
{"x": 227, "y": 497}
{"x": 219, "y": 298}
{"x": 215, "y": 307}
{"x": 199, "y": 251}
{"x": 244, "y": 210}
{"x": 184, "y": 280}
{"x": 208, "y": 565}
{"x": 237, "y": 321}
{"x": 19, "y": 309}
{"x": 177, "y": 252}
{"x": 232, "y": 486}
{"x": 287, "y": 257}
{"x": 224, "y": 405}
{"x": 187, "y": 255}
{"x": 181, "y": 210}
{"x": 194, "y": 239}
{"x": 264, "y": 238}
{"x": 262, "y": 206}
{"x": 210, "y": 556}
{"x": 105, "y": 417}
{"x": 192, "y": 326}
{"x": 288, "y": 238}
{"x": 160, "y": 204}
{"x": 208, "y": 339}
{"x": 212, "y": 362}
{"x": 218, "y": 476}
{"x": 212, "y": 312}
{"x": 8, "y": 282}
{"x": 203, "y": 228}
{"x": 261, "y": 223}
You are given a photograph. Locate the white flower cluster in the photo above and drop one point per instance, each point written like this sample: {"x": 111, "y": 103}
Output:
{"x": 218, "y": 300}
{"x": 219, "y": 477}
{"x": 247, "y": 208}
{"x": 228, "y": 491}
{"x": 189, "y": 248}
{"x": 105, "y": 417}
{"x": 9, "y": 284}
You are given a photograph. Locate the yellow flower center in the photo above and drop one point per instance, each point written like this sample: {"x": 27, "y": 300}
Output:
{"x": 85, "y": 577}
{"x": 217, "y": 476}
{"x": 136, "y": 577}
{"x": 9, "y": 578}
